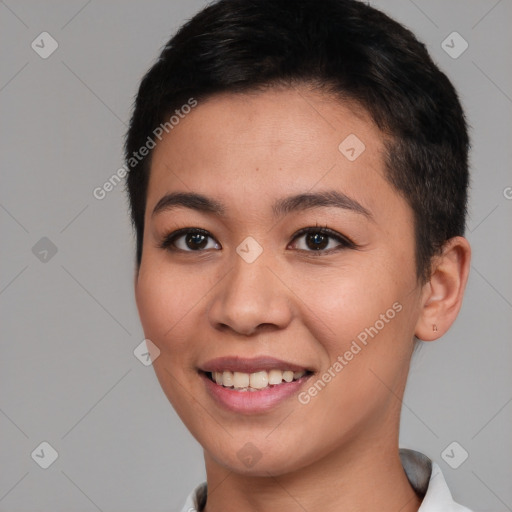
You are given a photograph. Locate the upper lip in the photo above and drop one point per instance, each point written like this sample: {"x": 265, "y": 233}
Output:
{"x": 249, "y": 365}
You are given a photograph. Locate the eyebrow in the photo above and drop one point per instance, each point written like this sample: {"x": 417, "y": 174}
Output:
{"x": 282, "y": 207}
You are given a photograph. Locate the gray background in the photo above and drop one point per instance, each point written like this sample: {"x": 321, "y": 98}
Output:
{"x": 70, "y": 325}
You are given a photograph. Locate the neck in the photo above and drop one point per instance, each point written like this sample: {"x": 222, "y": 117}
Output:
{"x": 358, "y": 478}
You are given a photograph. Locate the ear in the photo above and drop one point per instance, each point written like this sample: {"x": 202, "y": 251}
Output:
{"x": 442, "y": 295}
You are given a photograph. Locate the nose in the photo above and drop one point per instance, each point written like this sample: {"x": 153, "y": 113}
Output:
{"x": 251, "y": 299}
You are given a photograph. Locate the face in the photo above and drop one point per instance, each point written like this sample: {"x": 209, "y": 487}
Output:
{"x": 243, "y": 288}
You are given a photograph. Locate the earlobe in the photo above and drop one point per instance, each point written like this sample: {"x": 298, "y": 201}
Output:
{"x": 443, "y": 294}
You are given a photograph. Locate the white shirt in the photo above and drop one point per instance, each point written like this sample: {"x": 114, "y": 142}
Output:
{"x": 424, "y": 475}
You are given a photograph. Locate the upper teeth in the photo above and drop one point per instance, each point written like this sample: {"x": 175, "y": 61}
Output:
{"x": 257, "y": 380}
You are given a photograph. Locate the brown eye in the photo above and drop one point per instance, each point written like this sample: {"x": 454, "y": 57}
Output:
{"x": 321, "y": 240}
{"x": 189, "y": 240}
{"x": 196, "y": 241}
{"x": 317, "y": 241}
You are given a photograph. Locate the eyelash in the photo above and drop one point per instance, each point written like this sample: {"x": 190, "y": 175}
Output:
{"x": 345, "y": 243}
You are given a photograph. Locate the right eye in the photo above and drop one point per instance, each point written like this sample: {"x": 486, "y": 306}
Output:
{"x": 188, "y": 240}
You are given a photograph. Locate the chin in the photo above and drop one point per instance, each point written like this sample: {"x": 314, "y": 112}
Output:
{"x": 249, "y": 460}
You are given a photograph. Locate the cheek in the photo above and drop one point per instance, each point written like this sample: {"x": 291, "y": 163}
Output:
{"x": 364, "y": 334}
{"x": 165, "y": 301}
{"x": 341, "y": 302}
{"x": 366, "y": 318}
{"x": 164, "y": 298}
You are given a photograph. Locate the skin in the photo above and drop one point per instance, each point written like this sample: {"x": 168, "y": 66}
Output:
{"x": 339, "y": 451}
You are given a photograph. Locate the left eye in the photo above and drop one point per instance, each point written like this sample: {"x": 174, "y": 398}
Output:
{"x": 321, "y": 240}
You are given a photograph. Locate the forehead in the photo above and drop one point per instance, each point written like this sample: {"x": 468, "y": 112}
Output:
{"x": 260, "y": 144}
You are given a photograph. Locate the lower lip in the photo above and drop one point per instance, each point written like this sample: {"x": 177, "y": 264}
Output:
{"x": 252, "y": 401}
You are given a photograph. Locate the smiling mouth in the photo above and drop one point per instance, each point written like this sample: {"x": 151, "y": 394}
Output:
{"x": 257, "y": 381}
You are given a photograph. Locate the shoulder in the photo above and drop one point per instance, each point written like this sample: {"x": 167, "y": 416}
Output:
{"x": 427, "y": 478}
{"x": 196, "y": 500}
{"x": 438, "y": 497}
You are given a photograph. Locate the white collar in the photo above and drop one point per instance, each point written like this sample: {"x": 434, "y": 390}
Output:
{"x": 424, "y": 475}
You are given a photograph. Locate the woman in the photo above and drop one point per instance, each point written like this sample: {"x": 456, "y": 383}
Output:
{"x": 298, "y": 187}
